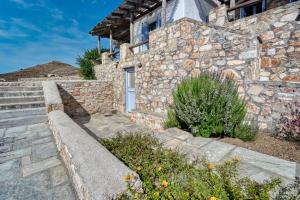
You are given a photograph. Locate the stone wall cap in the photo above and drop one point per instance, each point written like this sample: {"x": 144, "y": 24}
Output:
{"x": 51, "y": 93}
{"x": 99, "y": 171}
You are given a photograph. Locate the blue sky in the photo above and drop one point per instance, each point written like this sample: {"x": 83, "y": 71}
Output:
{"x": 38, "y": 31}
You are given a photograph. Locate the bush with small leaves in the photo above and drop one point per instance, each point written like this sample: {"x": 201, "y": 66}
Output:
{"x": 208, "y": 105}
{"x": 288, "y": 126}
{"x": 86, "y": 63}
{"x": 167, "y": 174}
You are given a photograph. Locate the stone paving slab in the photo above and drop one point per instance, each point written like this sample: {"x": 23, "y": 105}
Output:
{"x": 269, "y": 163}
{"x": 33, "y": 168}
{"x": 253, "y": 164}
{"x": 30, "y": 167}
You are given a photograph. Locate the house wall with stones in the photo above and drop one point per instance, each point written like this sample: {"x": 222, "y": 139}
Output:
{"x": 279, "y": 34}
{"x": 268, "y": 100}
{"x": 185, "y": 47}
{"x": 86, "y": 97}
{"x": 178, "y": 51}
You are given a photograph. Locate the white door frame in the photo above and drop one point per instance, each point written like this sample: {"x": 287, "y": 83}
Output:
{"x": 129, "y": 90}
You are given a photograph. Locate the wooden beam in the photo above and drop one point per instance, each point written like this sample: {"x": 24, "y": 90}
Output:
{"x": 163, "y": 13}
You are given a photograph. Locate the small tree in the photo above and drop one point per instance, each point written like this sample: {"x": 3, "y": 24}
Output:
{"x": 86, "y": 63}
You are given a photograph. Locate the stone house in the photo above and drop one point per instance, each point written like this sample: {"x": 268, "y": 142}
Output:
{"x": 258, "y": 41}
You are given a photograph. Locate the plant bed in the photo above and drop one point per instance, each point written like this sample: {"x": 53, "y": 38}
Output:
{"x": 268, "y": 144}
{"x": 166, "y": 174}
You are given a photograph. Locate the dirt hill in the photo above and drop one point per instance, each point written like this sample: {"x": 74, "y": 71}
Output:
{"x": 43, "y": 70}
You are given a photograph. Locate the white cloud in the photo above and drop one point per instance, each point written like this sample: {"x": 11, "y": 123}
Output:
{"x": 25, "y": 4}
{"x": 25, "y": 24}
{"x": 57, "y": 14}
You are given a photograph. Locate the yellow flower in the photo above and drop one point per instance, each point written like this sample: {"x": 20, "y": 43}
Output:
{"x": 139, "y": 168}
{"x": 212, "y": 198}
{"x": 156, "y": 194}
{"x": 159, "y": 168}
{"x": 129, "y": 177}
{"x": 126, "y": 178}
{"x": 164, "y": 183}
{"x": 210, "y": 166}
{"x": 238, "y": 158}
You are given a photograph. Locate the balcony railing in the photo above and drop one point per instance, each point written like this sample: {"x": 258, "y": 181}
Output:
{"x": 140, "y": 44}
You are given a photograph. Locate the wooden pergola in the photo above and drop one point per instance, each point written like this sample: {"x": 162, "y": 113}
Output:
{"x": 119, "y": 24}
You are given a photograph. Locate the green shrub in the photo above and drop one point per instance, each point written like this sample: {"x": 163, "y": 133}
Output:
{"x": 172, "y": 120}
{"x": 246, "y": 132}
{"x": 166, "y": 174}
{"x": 209, "y": 105}
{"x": 86, "y": 63}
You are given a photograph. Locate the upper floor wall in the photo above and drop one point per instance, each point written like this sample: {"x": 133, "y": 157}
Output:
{"x": 278, "y": 31}
{"x": 175, "y": 10}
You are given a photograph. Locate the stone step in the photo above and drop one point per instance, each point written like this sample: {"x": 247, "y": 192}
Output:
{"x": 10, "y": 106}
{"x": 20, "y": 99}
{"x": 7, "y": 114}
{"x": 20, "y": 88}
{"x": 21, "y": 121}
{"x": 21, "y": 93}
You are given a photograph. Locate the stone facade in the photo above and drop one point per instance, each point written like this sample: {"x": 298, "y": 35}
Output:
{"x": 268, "y": 100}
{"x": 185, "y": 47}
{"x": 86, "y": 97}
{"x": 279, "y": 35}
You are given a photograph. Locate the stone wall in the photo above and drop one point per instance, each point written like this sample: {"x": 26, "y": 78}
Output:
{"x": 23, "y": 83}
{"x": 86, "y": 97}
{"x": 51, "y": 78}
{"x": 267, "y": 100}
{"x": 279, "y": 34}
{"x": 178, "y": 51}
{"x": 185, "y": 47}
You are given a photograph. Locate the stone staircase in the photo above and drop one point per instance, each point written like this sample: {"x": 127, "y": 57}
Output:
{"x": 21, "y": 105}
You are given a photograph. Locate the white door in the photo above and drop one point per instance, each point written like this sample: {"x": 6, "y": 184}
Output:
{"x": 130, "y": 89}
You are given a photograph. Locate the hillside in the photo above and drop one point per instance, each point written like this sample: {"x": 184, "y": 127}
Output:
{"x": 43, "y": 70}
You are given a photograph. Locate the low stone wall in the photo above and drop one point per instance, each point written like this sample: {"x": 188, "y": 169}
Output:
{"x": 53, "y": 99}
{"x": 96, "y": 173}
{"x": 51, "y": 78}
{"x": 86, "y": 97}
{"x": 24, "y": 83}
{"x": 154, "y": 121}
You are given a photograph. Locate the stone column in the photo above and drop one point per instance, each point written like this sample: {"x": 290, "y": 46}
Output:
{"x": 99, "y": 45}
{"x": 110, "y": 41}
{"x": 106, "y": 58}
{"x": 131, "y": 28}
{"x": 218, "y": 16}
{"x": 163, "y": 13}
{"x": 125, "y": 51}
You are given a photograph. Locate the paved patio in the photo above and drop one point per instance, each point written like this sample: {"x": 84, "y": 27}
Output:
{"x": 30, "y": 167}
{"x": 255, "y": 165}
